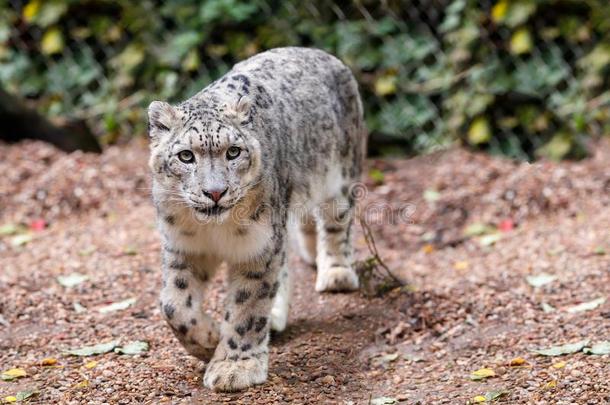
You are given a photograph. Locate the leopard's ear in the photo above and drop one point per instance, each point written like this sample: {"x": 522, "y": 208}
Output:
{"x": 161, "y": 118}
{"x": 241, "y": 111}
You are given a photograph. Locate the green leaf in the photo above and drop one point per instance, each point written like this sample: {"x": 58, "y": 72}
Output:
{"x": 72, "y": 279}
{"x": 23, "y": 395}
{"x": 117, "y": 306}
{"x": 540, "y": 279}
{"x": 513, "y": 12}
{"x": 93, "y": 350}
{"x": 44, "y": 13}
{"x": 477, "y": 229}
{"x": 376, "y": 175}
{"x": 586, "y": 306}
{"x": 135, "y": 347}
{"x": 482, "y": 374}
{"x": 564, "y": 349}
{"x": 558, "y": 147}
{"x": 600, "y": 348}
{"x": 179, "y": 46}
{"x": 493, "y": 395}
{"x": 8, "y": 229}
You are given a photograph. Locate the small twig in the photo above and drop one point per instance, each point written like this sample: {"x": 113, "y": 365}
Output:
{"x": 370, "y": 242}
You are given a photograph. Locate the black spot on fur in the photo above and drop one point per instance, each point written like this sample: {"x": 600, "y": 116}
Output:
{"x": 250, "y": 323}
{"x": 264, "y": 291}
{"x": 183, "y": 329}
{"x": 170, "y": 219}
{"x": 189, "y": 301}
{"x": 193, "y": 321}
{"x": 232, "y": 344}
{"x": 227, "y": 316}
{"x": 246, "y": 347}
{"x": 181, "y": 283}
{"x": 261, "y": 322}
{"x": 242, "y": 296}
{"x": 274, "y": 289}
{"x": 254, "y": 275}
{"x": 169, "y": 310}
{"x": 178, "y": 265}
{"x": 333, "y": 229}
{"x": 241, "y": 330}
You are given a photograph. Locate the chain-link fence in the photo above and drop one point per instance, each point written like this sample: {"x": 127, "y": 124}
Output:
{"x": 517, "y": 77}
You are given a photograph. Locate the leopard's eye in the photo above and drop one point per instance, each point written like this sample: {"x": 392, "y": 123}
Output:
{"x": 233, "y": 152}
{"x": 186, "y": 156}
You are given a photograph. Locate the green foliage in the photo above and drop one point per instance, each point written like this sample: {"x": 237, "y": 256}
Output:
{"x": 523, "y": 78}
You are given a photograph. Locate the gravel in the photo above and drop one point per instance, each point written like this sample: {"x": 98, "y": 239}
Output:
{"x": 467, "y": 304}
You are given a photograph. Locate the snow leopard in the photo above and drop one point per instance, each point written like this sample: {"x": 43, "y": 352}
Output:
{"x": 272, "y": 149}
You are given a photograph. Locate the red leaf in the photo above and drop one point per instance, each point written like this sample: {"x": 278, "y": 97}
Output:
{"x": 506, "y": 225}
{"x": 38, "y": 225}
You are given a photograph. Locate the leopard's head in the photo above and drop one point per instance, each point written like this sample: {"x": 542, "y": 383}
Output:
{"x": 203, "y": 155}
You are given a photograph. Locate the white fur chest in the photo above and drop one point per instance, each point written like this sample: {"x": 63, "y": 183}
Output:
{"x": 227, "y": 241}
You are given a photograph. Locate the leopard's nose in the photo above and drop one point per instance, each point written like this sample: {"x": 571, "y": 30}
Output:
{"x": 215, "y": 195}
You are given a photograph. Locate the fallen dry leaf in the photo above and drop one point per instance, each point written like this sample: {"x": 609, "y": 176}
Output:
{"x": 560, "y": 364}
{"x": 117, "y": 306}
{"x": 82, "y": 384}
{"x": 482, "y": 373}
{"x": 461, "y": 265}
{"x": 72, "y": 279}
{"x": 551, "y": 384}
{"x": 598, "y": 348}
{"x": 428, "y": 248}
{"x": 135, "y": 347}
{"x": 540, "y": 279}
{"x": 93, "y": 350}
{"x": 563, "y": 349}
{"x": 586, "y": 306}
{"x": 91, "y": 364}
{"x": 48, "y": 361}
{"x": 12, "y": 374}
{"x": 518, "y": 361}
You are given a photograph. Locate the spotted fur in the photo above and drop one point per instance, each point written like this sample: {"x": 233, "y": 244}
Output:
{"x": 277, "y": 143}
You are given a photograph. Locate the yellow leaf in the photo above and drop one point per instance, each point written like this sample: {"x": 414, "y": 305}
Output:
{"x": 49, "y": 361}
{"x": 91, "y": 364}
{"x": 463, "y": 265}
{"x": 428, "y": 248}
{"x": 518, "y": 361}
{"x": 82, "y": 384}
{"x": 521, "y": 42}
{"x": 478, "y": 398}
{"x": 498, "y": 12}
{"x": 479, "y": 131}
{"x": 10, "y": 399}
{"x": 551, "y": 384}
{"x": 13, "y": 373}
{"x": 559, "y": 365}
{"x": 482, "y": 373}
{"x": 52, "y": 41}
{"x": 385, "y": 85}
{"x": 30, "y": 11}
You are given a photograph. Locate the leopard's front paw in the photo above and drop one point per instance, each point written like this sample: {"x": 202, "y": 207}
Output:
{"x": 336, "y": 278}
{"x": 235, "y": 375}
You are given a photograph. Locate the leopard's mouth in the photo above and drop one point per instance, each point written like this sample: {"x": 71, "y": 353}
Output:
{"x": 212, "y": 211}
